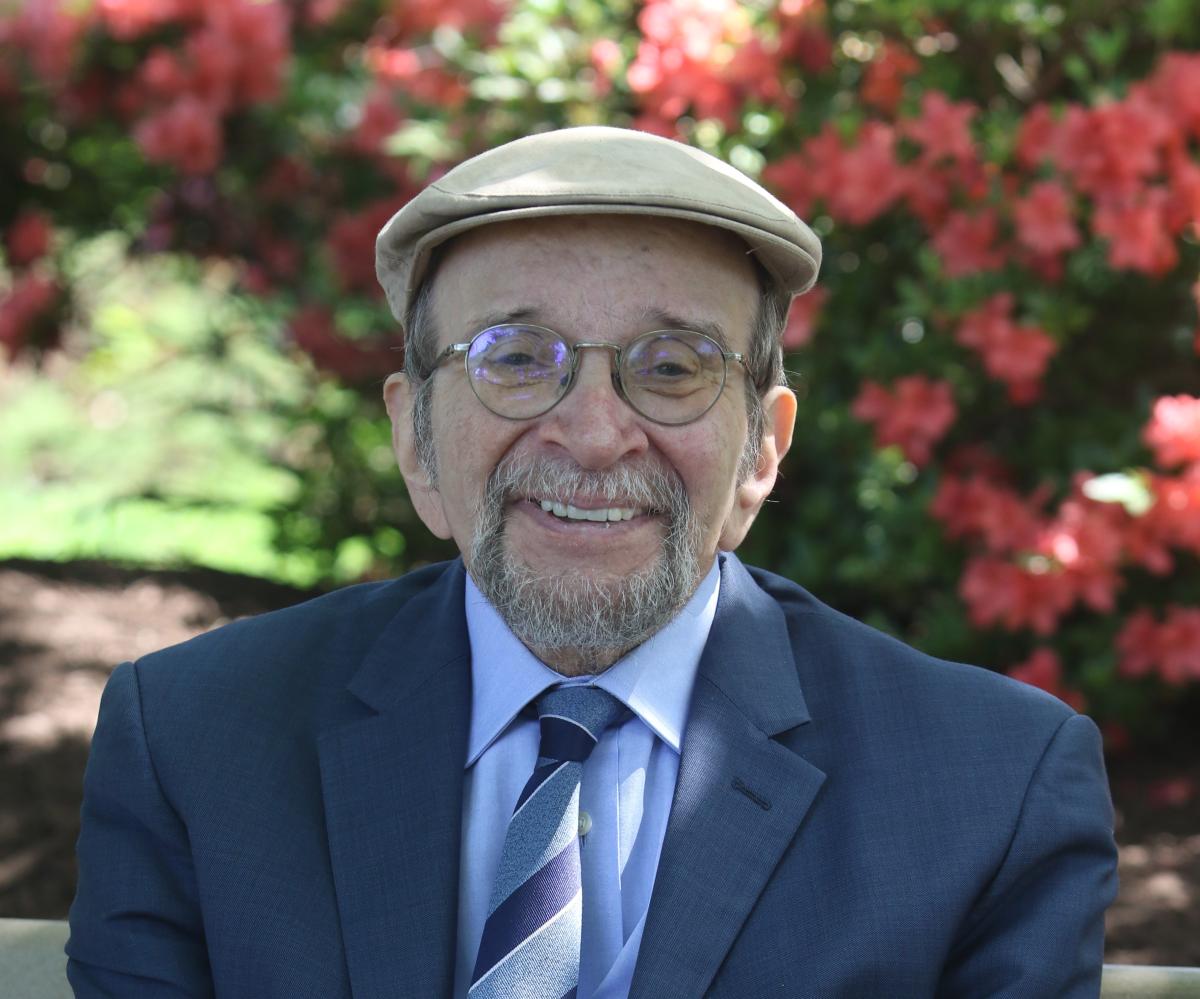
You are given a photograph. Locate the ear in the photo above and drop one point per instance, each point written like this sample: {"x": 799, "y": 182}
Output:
{"x": 779, "y": 406}
{"x": 398, "y": 396}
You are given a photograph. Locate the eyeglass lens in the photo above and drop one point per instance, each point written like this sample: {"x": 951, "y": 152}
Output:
{"x": 669, "y": 376}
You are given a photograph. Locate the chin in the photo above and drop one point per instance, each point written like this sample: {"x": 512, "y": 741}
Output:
{"x": 584, "y": 608}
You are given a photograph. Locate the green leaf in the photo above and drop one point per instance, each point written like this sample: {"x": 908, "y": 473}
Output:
{"x": 1106, "y": 47}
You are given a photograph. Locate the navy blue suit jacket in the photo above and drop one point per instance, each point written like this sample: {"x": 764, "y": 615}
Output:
{"x": 274, "y": 809}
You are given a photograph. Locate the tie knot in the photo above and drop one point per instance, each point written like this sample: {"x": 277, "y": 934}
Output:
{"x": 573, "y": 719}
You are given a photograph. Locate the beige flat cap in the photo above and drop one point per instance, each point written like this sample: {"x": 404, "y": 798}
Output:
{"x": 594, "y": 170}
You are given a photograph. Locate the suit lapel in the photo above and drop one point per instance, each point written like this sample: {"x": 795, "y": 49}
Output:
{"x": 740, "y": 796}
{"x": 392, "y": 783}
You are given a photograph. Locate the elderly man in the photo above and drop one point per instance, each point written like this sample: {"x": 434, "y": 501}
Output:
{"x": 596, "y": 756}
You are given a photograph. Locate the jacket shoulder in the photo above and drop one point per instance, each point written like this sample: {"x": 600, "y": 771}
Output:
{"x": 306, "y": 652}
{"x": 840, "y": 651}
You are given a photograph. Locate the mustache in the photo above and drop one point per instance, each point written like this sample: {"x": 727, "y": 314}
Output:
{"x": 641, "y": 483}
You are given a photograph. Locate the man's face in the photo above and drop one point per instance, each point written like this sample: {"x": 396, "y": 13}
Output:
{"x": 596, "y": 279}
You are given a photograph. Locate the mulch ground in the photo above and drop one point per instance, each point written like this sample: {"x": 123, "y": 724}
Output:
{"x": 63, "y": 627}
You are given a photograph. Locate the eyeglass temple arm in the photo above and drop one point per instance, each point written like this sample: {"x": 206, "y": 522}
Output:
{"x": 454, "y": 348}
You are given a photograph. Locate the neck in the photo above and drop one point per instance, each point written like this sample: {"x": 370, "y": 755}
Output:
{"x": 578, "y": 662}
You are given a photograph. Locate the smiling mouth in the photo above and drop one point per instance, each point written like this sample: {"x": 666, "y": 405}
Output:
{"x": 600, "y": 515}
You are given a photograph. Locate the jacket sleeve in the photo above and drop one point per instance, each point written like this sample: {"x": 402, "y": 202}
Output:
{"x": 136, "y": 928}
{"x": 1037, "y": 929}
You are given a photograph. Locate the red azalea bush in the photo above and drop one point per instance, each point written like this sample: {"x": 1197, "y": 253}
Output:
{"x": 998, "y": 449}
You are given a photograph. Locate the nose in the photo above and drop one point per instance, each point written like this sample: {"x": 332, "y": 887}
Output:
{"x": 592, "y": 422}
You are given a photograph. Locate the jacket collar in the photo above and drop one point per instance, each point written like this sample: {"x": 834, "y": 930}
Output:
{"x": 740, "y": 797}
{"x": 392, "y": 785}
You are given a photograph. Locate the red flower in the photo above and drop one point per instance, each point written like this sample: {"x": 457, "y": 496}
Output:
{"x": 287, "y": 179}
{"x": 1170, "y": 649}
{"x": 1175, "y": 516}
{"x": 802, "y": 318}
{"x": 1014, "y": 354}
{"x": 753, "y": 73}
{"x": 1173, "y": 433}
{"x": 31, "y": 300}
{"x": 792, "y": 177}
{"x": 420, "y": 73}
{"x": 234, "y": 54}
{"x": 161, "y": 75}
{"x": 1137, "y": 229}
{"x": 129, "y": 19}
{"x": 1183, "y": 202}
{"x": 257, "y": 33}
{"x": 656, "y": 124}
{"x": 803, "y": 40}
{"x": 1043, "y": 669}
{"x": 314, "y": 330}
{"x": 883, "y": 82}
{"x": 702, "y": 55}
{"x": 966, "y": 243}
{"x": 319, "y": 13}
{"x": 914, "y": 415}
{"x": 997, "y": 591}
{"x": 28, "y": 238}
{"x": 1175, "y": 85}
{"x": 606, "y": 60}
{"x": 420, "y": 17}
{"x": 823, "y": 155}
{"x": 943, "y": 128}
{"x": 48, "y": 33}
{"x": 187, "y": 135}
{"x": 1137, "y": 644}
{"x": 213, "y": 62}
{"x": 978, "y": 508}
{"x": 280, "y": 258}
{"x": 1179, "y": 645}
{"x": 1109, "y": 151}
{"x": 1084, "y": 541}
{"x": 1043, "y": 219}
{"x": 860, "y": 182}
{"x": 380, "y": 120}
{"x": 1147, "y": 538}
{"x": 806, "y": 44}
{"x": 351, "y": 243}
{"x": 929, "y": 190}
{"x": 1036, "y": 137}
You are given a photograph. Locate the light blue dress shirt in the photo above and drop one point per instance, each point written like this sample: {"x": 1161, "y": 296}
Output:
{"x": 627, "y": 785}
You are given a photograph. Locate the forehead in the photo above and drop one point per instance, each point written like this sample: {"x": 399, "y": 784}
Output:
{"x": 609, "y": 272}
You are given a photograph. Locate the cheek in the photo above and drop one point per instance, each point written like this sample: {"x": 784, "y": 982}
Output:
{"x": 708, "y": 463}
{"x": 470, "y": 443}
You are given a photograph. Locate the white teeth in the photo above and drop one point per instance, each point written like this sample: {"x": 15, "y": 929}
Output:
{"x": 601, "y": 515}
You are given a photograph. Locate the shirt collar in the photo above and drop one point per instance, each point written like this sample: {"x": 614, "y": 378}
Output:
{"x": 654, "y": 680}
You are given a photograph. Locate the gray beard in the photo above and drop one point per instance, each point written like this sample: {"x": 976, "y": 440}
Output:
{"x": 571, "y": 615}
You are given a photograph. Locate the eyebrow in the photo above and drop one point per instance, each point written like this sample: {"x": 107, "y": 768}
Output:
{"x": 496, "y": 318}
{"x": 653, "y": 318}
{"x": 661, "y": 319}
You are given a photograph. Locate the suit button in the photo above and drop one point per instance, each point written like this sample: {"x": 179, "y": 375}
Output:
{"x": 585, "y": 824}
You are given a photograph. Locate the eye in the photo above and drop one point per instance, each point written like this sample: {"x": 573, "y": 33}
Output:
{"x": 515, "y": 358}
{"x": 670, "y": 369}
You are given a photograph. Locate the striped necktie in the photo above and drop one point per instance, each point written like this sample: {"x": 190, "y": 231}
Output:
{"x": 530, "y": 943}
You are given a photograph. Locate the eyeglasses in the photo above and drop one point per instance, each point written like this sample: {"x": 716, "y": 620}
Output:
{"x": 668, "y": 376}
